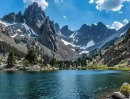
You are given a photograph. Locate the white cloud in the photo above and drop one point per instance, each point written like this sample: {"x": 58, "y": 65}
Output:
{"x": 120, "y": 12}
{"x": 42, "y": 3}
{"x": 108, "y": 26}
{"x": 64, "y": 17}
{"x": 56, "y": 1}
{"x": 126, "y": 21}
{"x": 116, "y": 25}
{"x": 113, "y": 5}
{"x": 91, "y": 1}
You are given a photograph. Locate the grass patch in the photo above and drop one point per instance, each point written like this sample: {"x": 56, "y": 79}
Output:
{"x": 108, "y": 68}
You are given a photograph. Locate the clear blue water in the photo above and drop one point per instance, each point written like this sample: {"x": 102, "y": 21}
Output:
{"x": 60, "y": 84}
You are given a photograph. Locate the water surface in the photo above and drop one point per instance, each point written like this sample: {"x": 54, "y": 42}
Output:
{"x": 60, "y": 84}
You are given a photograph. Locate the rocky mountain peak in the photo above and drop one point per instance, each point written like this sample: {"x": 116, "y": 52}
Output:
{"x": 66, "y": 31}
{"x": 100, "y": 24}
{"x": 40, "y": 23}
{"x": 57, "y": 28}
{"x": 12, "y": 17}
{"x": 19, "y": 17}
{"x": 84, "y": 27}
{"x": 65, "y": 27}
{"x": 35, "y": 17}
{"x": 19, "y": 13}
{"x": 35, "y": 5}
{"x": 34, "y": 11}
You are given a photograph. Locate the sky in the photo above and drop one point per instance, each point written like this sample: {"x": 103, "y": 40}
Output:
{"x": 75, "y": 13}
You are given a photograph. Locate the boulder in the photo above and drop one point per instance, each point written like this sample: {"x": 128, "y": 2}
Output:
{"x": 117, "y": 95}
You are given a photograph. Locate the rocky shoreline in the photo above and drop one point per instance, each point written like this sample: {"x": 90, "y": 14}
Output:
{"x": 124, "y": 92}
{"x": 30, "y": 68}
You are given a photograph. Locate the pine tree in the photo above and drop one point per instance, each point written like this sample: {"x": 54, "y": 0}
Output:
{"x": 11, "y": 59}
{"x": 53, "y": 62}
{"x": 31, "y": 56}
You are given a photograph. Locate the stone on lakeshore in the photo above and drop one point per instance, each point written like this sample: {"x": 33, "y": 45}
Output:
{"x": 117, "y": 95}
{"x": 124, "y": 84}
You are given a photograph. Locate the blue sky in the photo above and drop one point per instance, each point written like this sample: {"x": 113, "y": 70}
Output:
{"x": 74, "y": 13}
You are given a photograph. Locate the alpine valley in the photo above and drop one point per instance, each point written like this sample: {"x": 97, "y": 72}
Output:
{"x": 45, "y": 59}
{"x": 33, "y": 29}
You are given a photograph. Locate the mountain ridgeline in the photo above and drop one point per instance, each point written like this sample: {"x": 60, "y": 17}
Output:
{"x": 96, "y": 32}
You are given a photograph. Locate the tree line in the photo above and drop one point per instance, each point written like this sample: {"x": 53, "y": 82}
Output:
{"x": 31, "y": 59}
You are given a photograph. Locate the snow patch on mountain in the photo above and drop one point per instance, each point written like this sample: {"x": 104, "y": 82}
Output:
{"x": 21, "y": 35}
{"x": 1, "y": 40}
{"x": 19, "y": 30}
{"x": 33, "y": 32}
{"x": 29, "y": 29}
{"x": 5, "y": 23}
{"x": 95, "y": 23}
{"x": 74, "y": 34}
{"x": 73, "y": 49}
{"x": 14, "y": 35}
{"x": 26, "y": 27}
{"x": 67, "y": 43}
{"x": 122, "y": 33}
{"x": 84, "y": 52}
{"x": 91, "y": 43}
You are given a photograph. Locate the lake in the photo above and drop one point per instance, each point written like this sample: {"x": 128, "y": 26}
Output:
{"x": 64, "y": 84}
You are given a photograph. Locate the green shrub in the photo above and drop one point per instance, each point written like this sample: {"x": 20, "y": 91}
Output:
{"x": 26, "y": 63}
{"x": 125, "y": 89}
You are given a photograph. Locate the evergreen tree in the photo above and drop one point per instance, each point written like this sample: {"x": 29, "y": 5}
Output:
{"x": 31, "y": 56}
{"x": 11, "y": 59}
{"x": 53, "y": 62}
